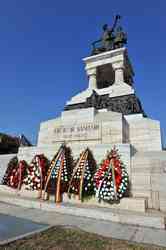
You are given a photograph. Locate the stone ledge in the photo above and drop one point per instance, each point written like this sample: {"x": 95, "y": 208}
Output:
{"x": 127, "y": 203}
{"x": 138, "y": 204}
{"x": 121, "y": 216}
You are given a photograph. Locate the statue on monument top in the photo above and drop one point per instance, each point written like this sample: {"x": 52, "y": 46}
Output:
{"x": 120, "y": 38}
{"x": 110, "y": 38}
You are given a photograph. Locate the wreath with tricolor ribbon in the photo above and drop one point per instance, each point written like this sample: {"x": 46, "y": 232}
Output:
{"x": 59, "y": 173}
{"x": 81, "y": 182}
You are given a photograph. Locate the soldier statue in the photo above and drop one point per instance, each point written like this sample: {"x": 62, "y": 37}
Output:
{"x": 120, "y": 38}
{"x": 107, "y": 36}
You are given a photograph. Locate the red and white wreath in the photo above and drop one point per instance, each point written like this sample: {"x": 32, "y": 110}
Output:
{"x": 111, "y": 180}
{"x": 36, "y": 173}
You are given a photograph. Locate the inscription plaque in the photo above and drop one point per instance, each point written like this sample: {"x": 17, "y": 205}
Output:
{"x": 79, "y": 132}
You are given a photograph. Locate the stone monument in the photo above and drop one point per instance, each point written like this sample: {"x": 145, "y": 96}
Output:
{"x": 109, "y": 113}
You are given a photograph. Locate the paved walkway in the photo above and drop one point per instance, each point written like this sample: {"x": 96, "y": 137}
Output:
{"x": 108, "y": 229}
{"x": 12, "y": 227}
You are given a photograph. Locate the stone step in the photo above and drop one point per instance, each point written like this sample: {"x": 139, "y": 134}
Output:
{"x": 148, "y": 219}
{"x": 127, "y": 203}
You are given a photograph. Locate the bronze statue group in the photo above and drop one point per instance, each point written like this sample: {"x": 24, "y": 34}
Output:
{"x": 112, "y": 38}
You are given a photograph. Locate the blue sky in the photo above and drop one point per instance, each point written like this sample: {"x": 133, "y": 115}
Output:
{"x": 42, "y": 44}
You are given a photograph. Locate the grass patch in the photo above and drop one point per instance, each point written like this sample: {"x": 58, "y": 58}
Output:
{"x": 66, "y": 238}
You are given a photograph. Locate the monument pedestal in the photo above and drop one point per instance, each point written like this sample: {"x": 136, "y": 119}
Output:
{"x": 105, "y": 115}
{"x": 109, "y": 114}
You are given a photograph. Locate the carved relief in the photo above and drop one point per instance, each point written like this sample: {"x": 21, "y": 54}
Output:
{"x": 127, "y": 104}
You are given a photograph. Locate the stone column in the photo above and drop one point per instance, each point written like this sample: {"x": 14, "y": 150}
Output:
{"x": 119, "y": 72}
{"x": 92, "y": 78}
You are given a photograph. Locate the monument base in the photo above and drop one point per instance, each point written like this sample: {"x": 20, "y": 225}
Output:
{"x": 147, "y": 170}
{"x": 145, "y": 219}
{"x": 99, "y": 151}
{"x": 137, "y": 139}
{"x": 90, "y": 126}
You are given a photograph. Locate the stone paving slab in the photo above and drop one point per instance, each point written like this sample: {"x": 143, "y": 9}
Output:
{"x": 105, "y": 228}
{"x": 12, "y": 228}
